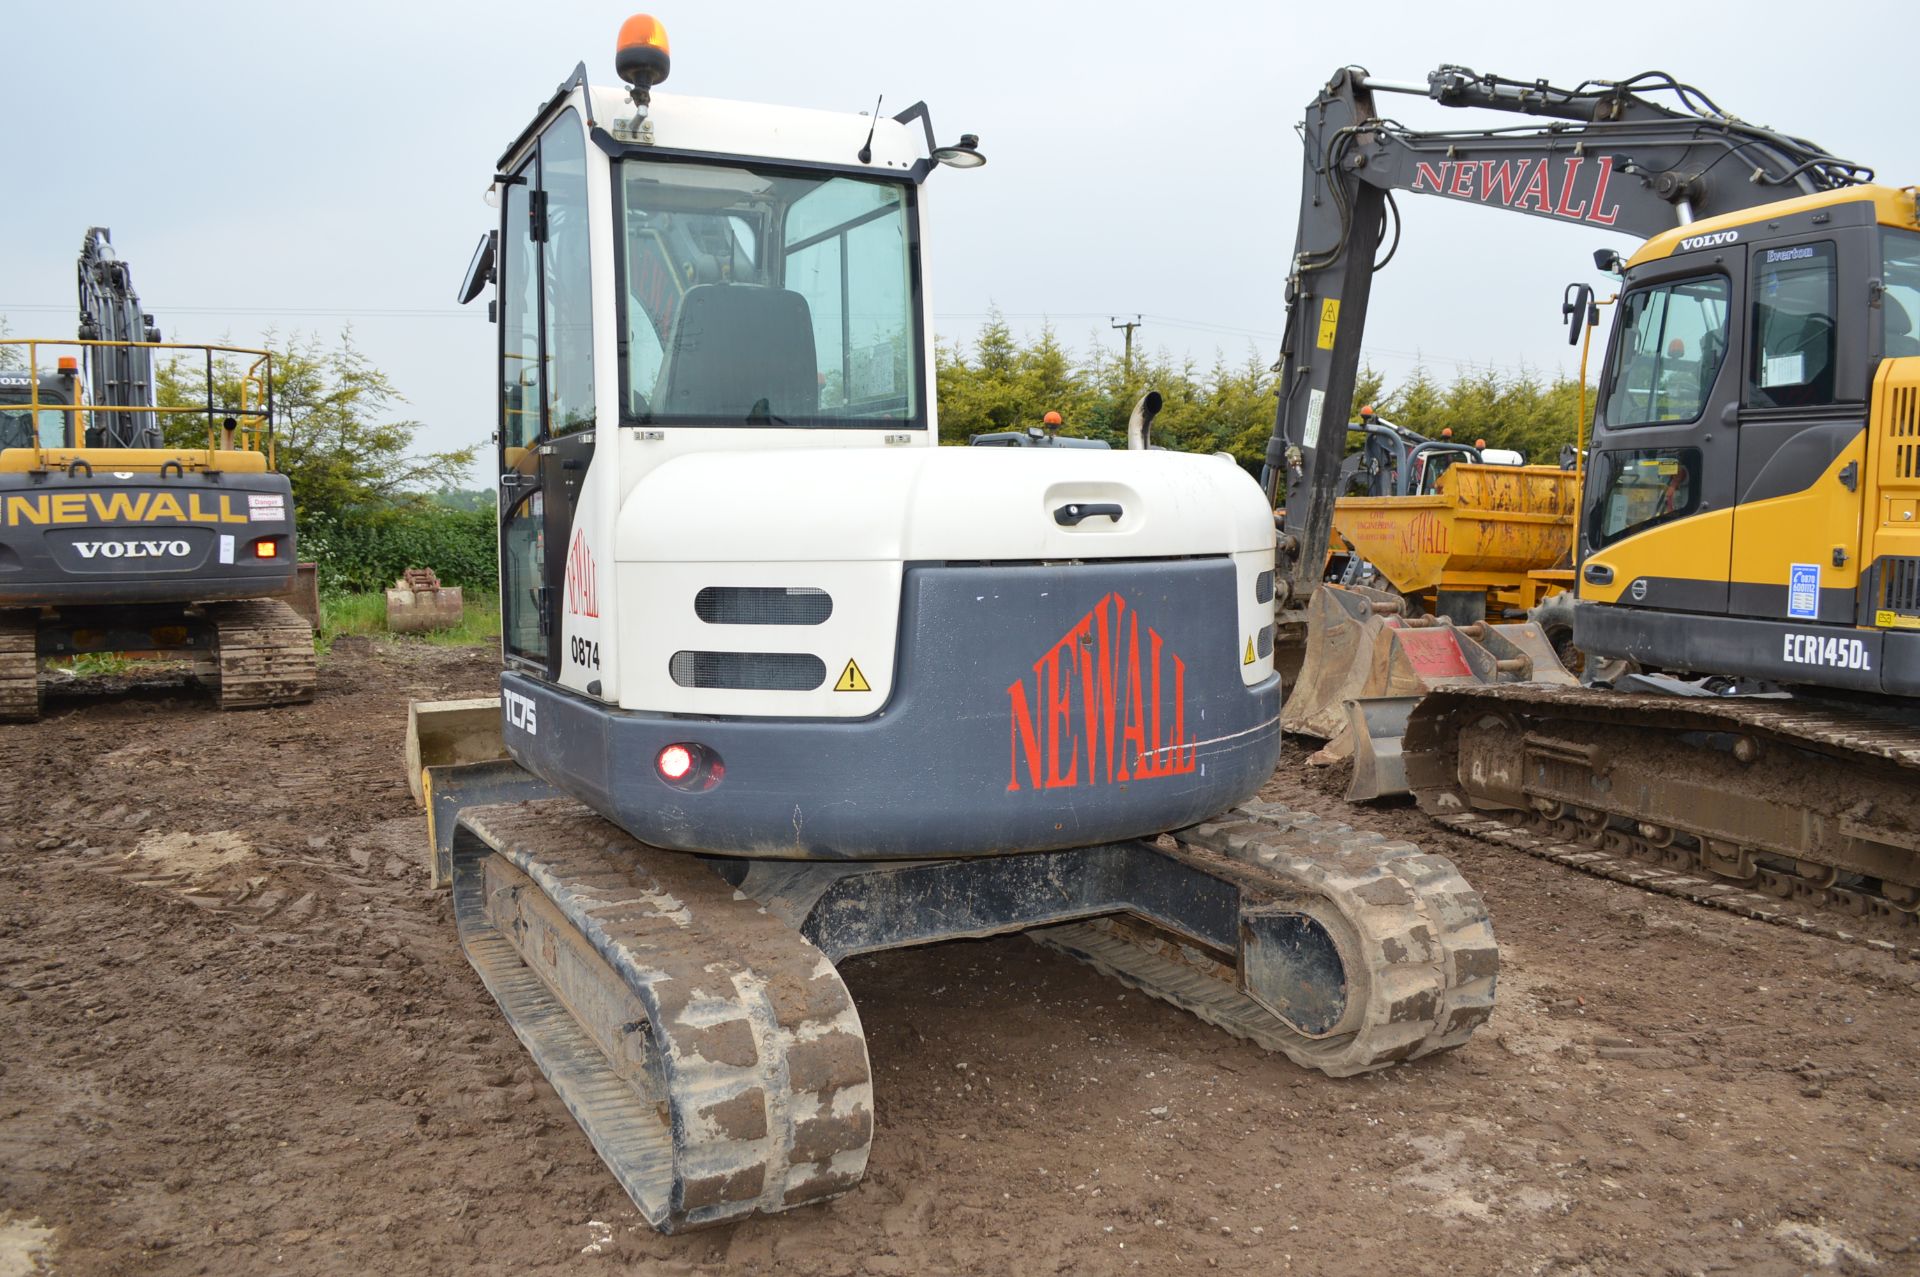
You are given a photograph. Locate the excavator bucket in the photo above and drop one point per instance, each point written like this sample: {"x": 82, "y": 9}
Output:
{"x": 417, "y": 602}
{"x": 440, "y": 733}
{"x": 1376, "y": 729}
{"x": 1366, "y": 666}
{"x": 1345, "y": 627}
{"x": 456, "y": 759}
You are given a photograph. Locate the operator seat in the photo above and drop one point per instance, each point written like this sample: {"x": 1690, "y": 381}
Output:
{"x": 1902, "y": 338}
{"x": 740, "y": 350}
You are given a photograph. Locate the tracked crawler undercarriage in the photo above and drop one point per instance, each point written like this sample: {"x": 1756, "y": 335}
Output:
{"x": 1788, "y": 810}
{"x": 689, "y": 1011}
{"x": 251, "y": 653}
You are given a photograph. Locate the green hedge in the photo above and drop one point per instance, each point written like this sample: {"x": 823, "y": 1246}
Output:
{"x": 369, "y": 549}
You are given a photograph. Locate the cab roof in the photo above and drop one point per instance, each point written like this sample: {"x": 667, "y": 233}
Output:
{"x": 1893, "y": 206}
{"x": 717, "y": 127}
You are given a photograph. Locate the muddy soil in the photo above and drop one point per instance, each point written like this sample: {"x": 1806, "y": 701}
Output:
{"x": 236, "y": 1036}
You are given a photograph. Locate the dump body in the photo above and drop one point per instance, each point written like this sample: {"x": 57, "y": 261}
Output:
{"x": 1486, "y": 528}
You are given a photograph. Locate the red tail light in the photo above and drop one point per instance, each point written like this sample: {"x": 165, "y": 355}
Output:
{"x": 675, "y": 762}
{"x": 689, "y": 766}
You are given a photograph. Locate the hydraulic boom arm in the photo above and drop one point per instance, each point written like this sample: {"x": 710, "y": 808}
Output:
{"x": 120, "y": 376}
{"x": 1612, "y": 158}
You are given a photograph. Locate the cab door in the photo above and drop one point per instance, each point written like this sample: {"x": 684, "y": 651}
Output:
{"x": 1657, "y": 528}
{"x": 526, "y": 603}
{"x": 547, "y": 415}
{"x": 566, "y": 450}
{"x": 1803, "y": 419}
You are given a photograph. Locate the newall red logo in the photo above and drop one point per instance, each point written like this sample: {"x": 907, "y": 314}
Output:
{"x": 1527, "y": 186}
{"x": 1105, "y": 705}
{"x": 581, "y": 598}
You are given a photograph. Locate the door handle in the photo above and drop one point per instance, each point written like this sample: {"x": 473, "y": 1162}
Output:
{"x": 1599, "y": 574}
{"x": 1070, "y": 515}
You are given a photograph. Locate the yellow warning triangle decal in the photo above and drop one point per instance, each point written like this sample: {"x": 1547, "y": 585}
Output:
{"x": 852, "y": 680}
{"x": 1249, "y": 657}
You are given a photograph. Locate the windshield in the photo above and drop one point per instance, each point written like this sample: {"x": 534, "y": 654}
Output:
{"x": 761, "y": 297}
{"x": 16, "y": 426}
{"x": 1900, "y": 302}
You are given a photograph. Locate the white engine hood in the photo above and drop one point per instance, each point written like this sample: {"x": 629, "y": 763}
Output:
{"x": 937, "y": 504}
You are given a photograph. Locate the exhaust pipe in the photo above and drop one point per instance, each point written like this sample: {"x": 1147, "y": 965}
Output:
{"x": 1140, "y": 425}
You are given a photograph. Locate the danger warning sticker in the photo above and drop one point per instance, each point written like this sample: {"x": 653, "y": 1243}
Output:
{"x": 852, "y": 680}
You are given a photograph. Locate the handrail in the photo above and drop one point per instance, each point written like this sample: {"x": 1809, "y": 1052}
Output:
{"x": 251, "y": 424}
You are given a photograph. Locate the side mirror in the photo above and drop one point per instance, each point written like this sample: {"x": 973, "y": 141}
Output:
{"x": 480, "y": 269}
{"x": 1576, "y": 305}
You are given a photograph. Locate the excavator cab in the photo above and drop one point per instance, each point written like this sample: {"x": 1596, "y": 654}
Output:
{"x": 1747, "y": 509}
{"x": 35, "y": 410}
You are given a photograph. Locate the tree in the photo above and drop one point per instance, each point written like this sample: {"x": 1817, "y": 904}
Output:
{"x": 1000, "y": 383}
{"x": 335, "y": 437}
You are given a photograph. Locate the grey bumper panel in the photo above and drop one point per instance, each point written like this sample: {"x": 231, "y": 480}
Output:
{"x": 1864, "y": 660}
{"x": 1023, "y": 704}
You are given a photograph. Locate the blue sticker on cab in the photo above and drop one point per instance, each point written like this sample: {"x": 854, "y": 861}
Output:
{"x": 1803, "y": 593}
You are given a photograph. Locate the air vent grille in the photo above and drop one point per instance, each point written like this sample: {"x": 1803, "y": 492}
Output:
{"x": 748, "y": 671}
{"x": 1263, "y": 588}
{"x": 1903, "y": 431}
{"x": 762, "y": 605}
{"x": 1900, "y": 585}
{"x": 1266, "y": 641}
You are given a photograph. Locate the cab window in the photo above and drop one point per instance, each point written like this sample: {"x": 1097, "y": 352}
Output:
{"x": 17, "y": 427}
{"x": 520, "y": 392}
{"x": 567, "y": 277}
{"x": 1792, "y": 363}
{"x": 1642, "y": 487}
{"x": 758, "y": 296}
{"x": 1900, "y": 293}
{"x": 1673, "y": 339}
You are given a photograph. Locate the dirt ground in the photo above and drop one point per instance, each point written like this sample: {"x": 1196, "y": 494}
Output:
{"x": 236, "y": 1036}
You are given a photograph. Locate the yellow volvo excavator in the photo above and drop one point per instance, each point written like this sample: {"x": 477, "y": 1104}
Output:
{"x": 114, "y": 538}
{"x": 1748, "y": 571}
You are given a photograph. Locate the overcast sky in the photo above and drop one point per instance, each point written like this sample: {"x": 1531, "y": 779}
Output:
{"x": 269, "y": 166}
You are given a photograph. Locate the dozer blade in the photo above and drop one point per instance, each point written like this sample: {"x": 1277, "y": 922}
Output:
{"x": 1376, "y": 729}
{"x": 451, "y": 788}
{"x": 445, "y": 732}
{"x": 709, "y": 1051}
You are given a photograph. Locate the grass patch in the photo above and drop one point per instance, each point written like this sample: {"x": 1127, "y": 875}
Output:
{"x": 367, "y": 614}
{"x": 96, "y": 664}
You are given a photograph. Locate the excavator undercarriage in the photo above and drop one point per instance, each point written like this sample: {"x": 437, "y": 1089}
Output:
{"x": 1796, "y": 811}
{"x": 689, "y": 1011}
{"x": 248, "y": 654}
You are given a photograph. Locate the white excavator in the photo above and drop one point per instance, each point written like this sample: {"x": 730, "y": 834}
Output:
{"x": 784, "y": 682}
